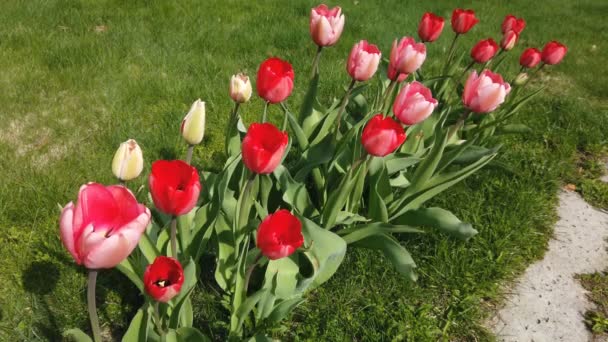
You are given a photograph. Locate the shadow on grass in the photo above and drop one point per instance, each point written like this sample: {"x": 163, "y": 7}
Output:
{"x": 40, "y": 279}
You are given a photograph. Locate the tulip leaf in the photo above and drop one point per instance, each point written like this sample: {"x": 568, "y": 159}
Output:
{"x": 202, "y": 229}
{"x": 294, "y": 193}
{"x": 306, "y": 117}
{"x": 76, "y": 335}
{"x": 473, "y": 154}
{"x": 315, "y": 155}
{"x": 245, "y": 308}
{"x": 452, "y": 153}
{"x": 399, "y": 181}
{"x": 180, "y": 305}
{"x": 283, "y": 309}
{"x": 297, "y": 129}
{"x": 138, "y": 329}
{"x": 226, "y": 258}
{"x": 360, "y": 232}
{"x": 399, "y": 162}
{"x": 190, "y": 334}
{"x": 440, "y": 219}
{"x": 184, "y": 230}
{"x": 260, "y": 338}
{"x": 347, "y": 218}
{"x": 171, "y": 336}
{"x": 338, "y": 197}
{"x": 126, "y": 268}
{"x": 393, "y": 251}
{"x": 147, "y": 247}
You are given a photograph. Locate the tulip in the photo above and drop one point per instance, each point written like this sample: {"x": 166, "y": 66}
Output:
{"x": 263, "y": 147}
{"x": 326, "y": 25}
{"x": 513, "y": 23}
{"x": 553, "y": 52}
{"x": 414, "y": 103}
{"x": 279, "y": 235}
{"x": 407, "y": 56}
{"x": 430, "y": 27}
{"x": 104, "y": 226}
{"x": 521, "y": 79}
{"x": 174, "y": 186}
{"x": 163, "y": 279}
{"x": 484, "y": 50}
{"x": 275, "y": 80}
{"x": 484, "y": 93}
{"x": 240, "y": 88}
{"x": 128, "y": 161}
{"x": 529, "y": 58}
{"x": 193, "y": 125}
{"x": 463, "y": 20}
{"x": 508, "y": 40}
{"x": 382, "y": 136}
{"x": 363, "y": 61}
{"x": 394, "y": 75}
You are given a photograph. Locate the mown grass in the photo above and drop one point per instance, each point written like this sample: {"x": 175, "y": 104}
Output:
{"x": 79, "y": 77}
{"x": 597, "y": 286}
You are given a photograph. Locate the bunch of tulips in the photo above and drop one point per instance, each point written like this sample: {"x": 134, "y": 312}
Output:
{"x": 279, "y": 225}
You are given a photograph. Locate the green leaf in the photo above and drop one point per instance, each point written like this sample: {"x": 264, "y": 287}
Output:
{"x": 171, "y": 336}
{"x": 440, "y": 219}
{"x": 297, "y": 130}
{"x": 138, "y": 329}
{"x": 177, "y": 310}
{"x": 399, "y": 162}
{"x": 364, "y": 231}
{"x": 393, "y": 251}
{"x": 189, "y": 334}
{"x": 226, "y": 259}
{"x": 147, "y": 247}
{"x": 260, "y": 338}
{"x": 76, "y": 335}
{"x": 126, "y": 268}
{"x": 317, "y": 154}
{"x": 338, "y": 197}
{"x": 426, "y": 168}
{"x": 245, "y": 308}
{"x": 294, "y": 193}
{"x": 281, "y": 276}
{"x": 184, "y": 230}
{"x": 283, "y": 309}
{"x": 305, "y": 118}
{"x": 474, "y": 153}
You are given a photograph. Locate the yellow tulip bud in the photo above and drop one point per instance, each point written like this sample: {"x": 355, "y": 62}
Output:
{"x": 193, "y": 125}
{"x": 521, "y": 79}
{"x": 128, "y": 161}
{"x": 240, "y": 88}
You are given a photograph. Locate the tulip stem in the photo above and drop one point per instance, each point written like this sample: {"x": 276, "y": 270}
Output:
{"x": 92, "y": 281}
{"x": 250, "y": 270}
{"x": 284, "y": 117}
{"x": 343, "y": 106}
{"x": 189, "y": 154}
{"x": 174, "y": 237}
{"x": 264, "y": 115}
{"x": 232, "y": 129}
{"x": 469, "y": 66}
{"x": 451, "y": 52}
{"x": 458, "y": 124}
{"x": 386, "y": 100}
{"x": 315, "y": 62}
{"x": 159, "y": 323}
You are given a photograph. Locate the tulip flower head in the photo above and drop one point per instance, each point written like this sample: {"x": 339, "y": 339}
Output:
{"x": 553, "y": 52}
{"x": 414, "y": 103}
{"x": 128, "y": 161}
{"x": 430, "y": 27}
{"x": 193, "y": 125}
{"x": 407, "y": 56}
{"x": 382, "y": 136}
{"x": 263, "y": 147}
{"x": 363, "y": 61}
{"x": 508, "y": 40}
{"x": 174, "y": 186}
{"x": 483, "y": 93}
{"x": 530, "y": 58}
{"x": 484, "y": 50}
{"x": 163, "y": 279}
{"x": 240, "y": 88}
{"x": 511, "y": 23}
{"x": 275, "y": 80}
{"x": 279, "y": 235}
{"x": 104, "y": 226}
{"x": 326, "y": 25}
{"x": 463, "y": 20}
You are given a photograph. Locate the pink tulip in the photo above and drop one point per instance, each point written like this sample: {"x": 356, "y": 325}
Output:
{"x": 484, "y": 93}
{"x": 395, "y": 75}
{"x": 407, "y": 56}
{"x": 104, "y": 227}
{"x": 414, "y": 103}
{"x": 326, "y": 25}
{"x": 363, "y": 61}
{"x": 508, "y": 40}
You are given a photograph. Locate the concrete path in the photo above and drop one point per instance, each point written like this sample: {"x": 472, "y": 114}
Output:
{"x": 547, "y": 303}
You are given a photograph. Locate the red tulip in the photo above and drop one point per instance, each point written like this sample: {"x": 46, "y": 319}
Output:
{"x": 263, "y": 147}
{"x": 463, "y": 20}
{"x": 407, "y": 56}
{"x": 553, "y": 52}
{"x": 529, "y": 58}
{"x": 326, "y": 25}
{"x": 275, "y": 80}
{"x": 382, "y": 136}
{"x": 163, "y": 278}
{"x": 484, "y": 50}
{"x": 279, "y": 235}
{"x": 430, "y": 27}
{"x": 174, "y": 186}
{"x": 513, "y": 23}
{"x": 363, "y": 61}
{"x": 508, "y": 40}
{"x": 484, "y": 93}
{"x": 104, "y": 227}
{"x": 394, "y": 75}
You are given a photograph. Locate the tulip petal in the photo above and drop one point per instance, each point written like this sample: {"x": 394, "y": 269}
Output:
{"x": 109, "y": 252}
{"x": 68, "y": 235}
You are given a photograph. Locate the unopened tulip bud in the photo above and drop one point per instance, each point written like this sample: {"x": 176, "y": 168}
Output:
{"x": 193, "y": 125}
{"x": 128, "y": 161}
{"x": 521, "y": 79}
{"x": 240, "y": 88}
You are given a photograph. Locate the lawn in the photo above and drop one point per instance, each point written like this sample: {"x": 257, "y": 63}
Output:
{"x": 79, "y": 77}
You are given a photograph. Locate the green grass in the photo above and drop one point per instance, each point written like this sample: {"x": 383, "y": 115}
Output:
{"x": 597, "y": 286}
{"x": 71, "y": 94}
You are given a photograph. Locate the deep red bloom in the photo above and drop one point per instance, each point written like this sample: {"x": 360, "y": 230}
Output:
{"x": 275, "y": 80}
{"x": 513, "y": 23}
{"x": 530, "y": 58}
{"x": 463, "y": 20}
{"x": 174, "y": 186}
{"x": 263, "y": 147}
{"x": 163, "y": 279}
{"x": 279, "y": 235}
{"x": 508, "y": 40}
{"x": 553, "y": 52}
{"x": 382, "y": 136}
{"x": 484, "y": 50}
{"x": 430, "y": 27}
